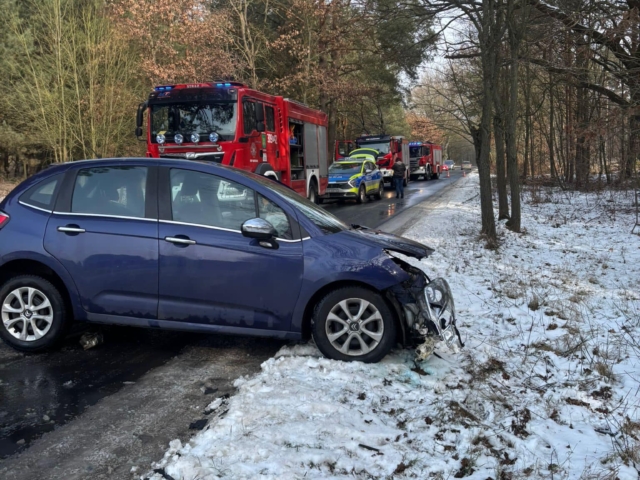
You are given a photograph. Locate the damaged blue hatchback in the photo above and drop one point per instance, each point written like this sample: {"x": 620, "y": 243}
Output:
{"x": 184, "y": 245}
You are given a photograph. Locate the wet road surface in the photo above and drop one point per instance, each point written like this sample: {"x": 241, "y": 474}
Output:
{"x": 40, "y": 394}
{"x": 374, "y": 213}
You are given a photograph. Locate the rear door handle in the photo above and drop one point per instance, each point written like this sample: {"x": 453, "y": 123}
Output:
{"x": 71, "y": 229}
{"x": 181, "y": 241}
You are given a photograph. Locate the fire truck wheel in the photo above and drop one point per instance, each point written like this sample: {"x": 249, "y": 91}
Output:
{"x": 267, "y": 170}
{"x": 313, "y": 192}
{"x": 362, "y": 194}
{"x": 435, "y": 176}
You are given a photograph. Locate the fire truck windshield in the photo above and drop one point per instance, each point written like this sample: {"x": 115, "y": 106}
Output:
{"x": 189, "y": 118}
{"x": 382, "y": 147}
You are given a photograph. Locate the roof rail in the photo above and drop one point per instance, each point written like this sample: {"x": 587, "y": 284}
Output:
{"x": 296, "y": 102}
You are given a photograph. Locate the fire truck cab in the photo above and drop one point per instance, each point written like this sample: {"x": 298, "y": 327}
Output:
{"x": 389, "y": 148}
{"x": 425, "y": 160}
{"x": 231, "y": 124}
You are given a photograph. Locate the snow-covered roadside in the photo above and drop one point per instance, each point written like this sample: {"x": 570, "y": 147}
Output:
{"x": 547, "y": 386}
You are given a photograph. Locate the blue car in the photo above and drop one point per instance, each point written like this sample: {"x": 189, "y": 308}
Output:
{"x": 184, "y": 245}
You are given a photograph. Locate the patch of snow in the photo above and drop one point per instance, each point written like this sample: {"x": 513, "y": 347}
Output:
{"x": 546, "y": 386}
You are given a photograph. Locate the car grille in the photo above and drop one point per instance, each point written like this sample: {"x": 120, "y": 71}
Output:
{"x": 413, "y": 163}
{"x": 205, "y": 157}
{"x": 343, "y": 186}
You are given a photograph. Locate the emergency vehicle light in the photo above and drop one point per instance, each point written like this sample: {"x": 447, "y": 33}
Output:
{"x": 163, "y": 88}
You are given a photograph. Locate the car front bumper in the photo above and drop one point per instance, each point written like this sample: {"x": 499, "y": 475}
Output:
{"x": 429, "y": 313}
{"x": 333, "y": 192}
{"x": 387, "y": 174}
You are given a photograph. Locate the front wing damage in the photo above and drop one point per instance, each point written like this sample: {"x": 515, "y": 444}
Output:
{"x": 428, "y": 310}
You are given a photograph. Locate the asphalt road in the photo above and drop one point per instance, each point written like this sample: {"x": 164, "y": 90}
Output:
{"x": 73, "y": 413}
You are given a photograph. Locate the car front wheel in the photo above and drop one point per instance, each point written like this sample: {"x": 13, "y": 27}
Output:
{"x": 33, "y": 313}
{"x": 353, "y": 323}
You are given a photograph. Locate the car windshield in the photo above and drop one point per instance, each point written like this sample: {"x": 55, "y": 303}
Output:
{"x": 415, "y": 152}
{"x": 382, "y": 147}
{"x": 449, "y": 162}
{"x": 189, "y": 118}
{"x": 322, "y": 219}
{"x": 346, "y": 168}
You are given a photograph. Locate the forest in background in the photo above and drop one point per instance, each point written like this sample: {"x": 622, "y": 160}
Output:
{"x": 529, "y": 89}
{"x": 75, "y": 70}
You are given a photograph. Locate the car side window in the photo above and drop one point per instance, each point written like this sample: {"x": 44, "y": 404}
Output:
{"x": 113, "y": 191}
{"x": 273, "y": 214}
{"x": 208, "y": 200}
{"x": 43, "y": 194}
{"x": 249, "y": 116}
{"x": 270, "y": 118}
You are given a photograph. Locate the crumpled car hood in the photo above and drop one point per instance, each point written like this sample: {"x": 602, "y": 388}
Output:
{"x": 389, "y": 241}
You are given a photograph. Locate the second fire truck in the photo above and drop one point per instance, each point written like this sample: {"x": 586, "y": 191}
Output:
{"x": 425, "y": 160}
{"x": 231, "y": 124}
{"x": 386, "y": 149}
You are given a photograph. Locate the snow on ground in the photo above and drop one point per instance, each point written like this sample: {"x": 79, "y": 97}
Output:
{"x": 546, "y": 387}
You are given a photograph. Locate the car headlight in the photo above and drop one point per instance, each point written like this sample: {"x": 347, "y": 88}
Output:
{"x": 195, "y": 138}
{"x": 178, "y": 138}
{"x": 213, "y": 137}
{"x": 353, "y": 183}
{"x": 160, "y": 139}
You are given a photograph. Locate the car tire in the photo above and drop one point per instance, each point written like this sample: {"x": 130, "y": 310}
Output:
{"x": 380, "y": 193}
{"x": 370, "y": 336}
{"x": 362, "y": 194}
{"x": 17, "y": 295}
{"x": 436, "y": 176}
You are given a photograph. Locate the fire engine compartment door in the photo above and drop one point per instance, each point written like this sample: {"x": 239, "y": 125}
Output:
{"x": 311, "y": 159}
{"x": 323, "y": 150}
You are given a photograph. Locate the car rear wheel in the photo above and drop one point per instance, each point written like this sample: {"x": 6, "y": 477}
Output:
{"x": 353, "y": 323}
{"x": 33, "y": 313}
{"x": 380, "y": 192}
{"x": 362, "y": 194}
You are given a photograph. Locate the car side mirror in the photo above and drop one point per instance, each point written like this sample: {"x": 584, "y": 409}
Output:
{"x": 260, "y": 127}
{"x": 259, "y": 229}
{"x": 138, "y": 132}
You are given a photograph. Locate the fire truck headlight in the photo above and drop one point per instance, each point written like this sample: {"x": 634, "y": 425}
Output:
{"x": 213, "y": 137}
{"x": 195, "y": 138}
{"x": 160, "y": 139}
{"x": 178, "y": 138}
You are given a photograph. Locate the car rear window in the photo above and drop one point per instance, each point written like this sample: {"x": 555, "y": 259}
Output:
{"x": 43, "y": 194}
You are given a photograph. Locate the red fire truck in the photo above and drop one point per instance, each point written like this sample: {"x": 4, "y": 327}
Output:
{"x": 231, "y": 124}
{"x": 425, "y": 160}
{"x": 386, "y": 149}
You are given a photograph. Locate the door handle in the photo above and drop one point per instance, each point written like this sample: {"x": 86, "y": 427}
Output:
{"x": 181, "y": 241}
{"x": 71, "y": 229}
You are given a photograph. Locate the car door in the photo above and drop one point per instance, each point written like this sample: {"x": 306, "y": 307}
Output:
{"x": 104, "y": 231}
{"x": 368, "y": 176}
{"x": 209, "y": 272}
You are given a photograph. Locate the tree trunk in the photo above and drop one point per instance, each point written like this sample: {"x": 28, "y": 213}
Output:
{"x": 484, "y": 167}
{"x": 503, "y": 204}
{"x": 511, "y": 131}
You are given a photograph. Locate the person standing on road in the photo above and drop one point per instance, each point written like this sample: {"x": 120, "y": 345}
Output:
{"x": 399, "y": 173}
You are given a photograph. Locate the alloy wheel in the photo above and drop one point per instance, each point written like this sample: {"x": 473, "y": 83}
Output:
{"x": 27, "y": 314}
{"x": 354, "y": 327}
